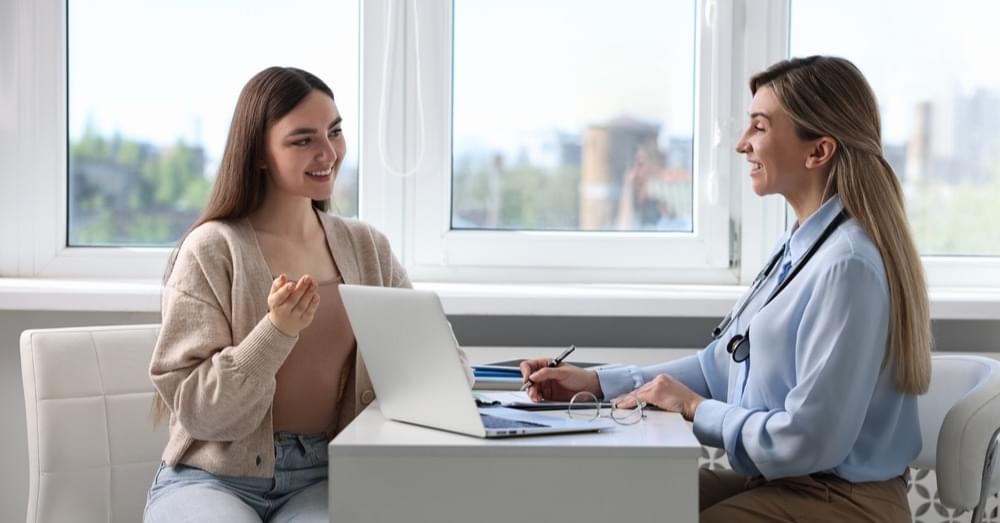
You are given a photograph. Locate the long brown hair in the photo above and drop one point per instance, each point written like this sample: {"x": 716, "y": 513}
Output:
{"x": 828, "y": 96}
{"x": 241, "y": 183}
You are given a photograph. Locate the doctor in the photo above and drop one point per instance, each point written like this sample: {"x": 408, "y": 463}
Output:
{"x": 810, "y": 384}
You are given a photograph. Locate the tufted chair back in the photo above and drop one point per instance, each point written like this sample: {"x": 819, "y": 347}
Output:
{"x": 92, "y": 450}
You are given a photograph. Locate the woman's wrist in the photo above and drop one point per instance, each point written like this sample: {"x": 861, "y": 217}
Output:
{"x": 690, "y": 407}
{"x": 595, "y": 385}
{"x": 291, "y": 333}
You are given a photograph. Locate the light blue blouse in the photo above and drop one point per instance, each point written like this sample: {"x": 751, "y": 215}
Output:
{"x": 818, "y": 395}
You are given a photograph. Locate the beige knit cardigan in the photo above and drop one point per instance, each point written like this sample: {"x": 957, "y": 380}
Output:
{"x": 218, "y": 353}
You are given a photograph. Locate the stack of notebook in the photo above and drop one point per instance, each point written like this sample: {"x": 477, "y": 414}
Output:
{"x": 497, "y": 377}
{"x": 506, "y": 375}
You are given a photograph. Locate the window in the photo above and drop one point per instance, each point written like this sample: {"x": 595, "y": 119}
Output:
{"x": 933, "y": 69}
{"x": 151, "y": 91}
{"x": 536, "y": 149}
{"x": 503, "y": 141}
{"x": 581, "y": 126}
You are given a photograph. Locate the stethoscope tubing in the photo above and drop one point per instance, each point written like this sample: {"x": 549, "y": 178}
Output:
{"x": 739, "y": 345}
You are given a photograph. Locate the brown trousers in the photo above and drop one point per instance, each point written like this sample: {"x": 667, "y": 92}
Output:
{"x": 725, "y": 496}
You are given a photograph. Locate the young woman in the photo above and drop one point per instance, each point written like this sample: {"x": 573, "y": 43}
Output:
{"x": 810, "y": 385}
{"x": 256, "y": 363}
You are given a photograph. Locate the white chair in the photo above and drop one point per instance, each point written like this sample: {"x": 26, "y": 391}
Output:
{"x": 92, "y": 450}
{"x": 959, "y": 424}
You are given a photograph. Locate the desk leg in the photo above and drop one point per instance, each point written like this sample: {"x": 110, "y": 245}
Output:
{"x": 500, "y": 490}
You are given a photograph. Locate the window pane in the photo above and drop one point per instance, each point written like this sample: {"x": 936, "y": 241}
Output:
{"x": 934, "y": 72}
{"x": 152, "y": 87}
{"x": 573, "y": 114}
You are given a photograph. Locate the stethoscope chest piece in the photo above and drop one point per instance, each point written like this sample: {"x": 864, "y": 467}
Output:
{"x": 739, "y": 347}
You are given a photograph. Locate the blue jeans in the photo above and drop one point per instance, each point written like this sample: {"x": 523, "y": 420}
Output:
{"x": 298, "y": 490}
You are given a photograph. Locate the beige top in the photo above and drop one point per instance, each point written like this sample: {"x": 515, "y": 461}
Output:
{"x": 218, "y": 353}
{"x": 312, "y": 379}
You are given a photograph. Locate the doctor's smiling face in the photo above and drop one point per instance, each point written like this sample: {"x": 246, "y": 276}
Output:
{"x": 778, "y": 156}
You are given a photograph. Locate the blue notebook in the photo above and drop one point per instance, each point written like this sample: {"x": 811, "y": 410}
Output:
{"x": 503, "y": 369}
{"x": 495, "y": 372}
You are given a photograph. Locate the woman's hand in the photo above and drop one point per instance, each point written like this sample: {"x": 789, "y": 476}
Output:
{"x": 292, "y": 304}
{"x": 558, "y": 383}
{"x": 665, "y": 393}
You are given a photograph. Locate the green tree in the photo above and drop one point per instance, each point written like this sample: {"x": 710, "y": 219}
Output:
{"x": 527, "y": 197}
{"x": 126, "y": 192}
{"x": 956, "y": 219}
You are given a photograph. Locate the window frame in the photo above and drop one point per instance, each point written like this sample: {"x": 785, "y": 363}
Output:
{"x": 34, "y": 157}
{"x": 434, "y": 251}
{"x": 36, "y": 206}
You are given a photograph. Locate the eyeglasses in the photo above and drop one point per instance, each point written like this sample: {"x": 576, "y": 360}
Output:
{"x": 585, "y": 405}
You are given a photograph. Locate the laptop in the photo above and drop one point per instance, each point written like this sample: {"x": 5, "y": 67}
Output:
{"x": 412, "y": 359}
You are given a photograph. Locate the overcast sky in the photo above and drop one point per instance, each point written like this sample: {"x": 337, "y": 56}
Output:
{"x": 159, "y": 71}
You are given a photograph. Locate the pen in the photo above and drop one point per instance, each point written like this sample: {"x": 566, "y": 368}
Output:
{"x": 554, "y": 363}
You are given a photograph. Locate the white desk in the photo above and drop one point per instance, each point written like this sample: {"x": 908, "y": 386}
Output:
{"x": 386, "y": 471}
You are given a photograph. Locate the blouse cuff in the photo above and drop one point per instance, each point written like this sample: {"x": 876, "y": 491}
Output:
{"x": 708, "y": 422}
{"x": 619, "y": 380}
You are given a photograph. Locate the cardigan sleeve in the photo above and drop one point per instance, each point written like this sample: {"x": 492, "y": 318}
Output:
{"x": 393, "y": 273}
{"x": 218, "y": 388}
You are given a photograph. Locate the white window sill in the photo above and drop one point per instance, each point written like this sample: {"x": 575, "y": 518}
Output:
{"x": 479, "y": 299}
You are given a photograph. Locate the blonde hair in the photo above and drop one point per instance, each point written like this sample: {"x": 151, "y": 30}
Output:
{"x": 828, "y": 96}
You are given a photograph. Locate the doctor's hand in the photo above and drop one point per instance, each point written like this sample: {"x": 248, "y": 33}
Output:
{"x": 557, "y": 383}
{"x": 665, "y": 393}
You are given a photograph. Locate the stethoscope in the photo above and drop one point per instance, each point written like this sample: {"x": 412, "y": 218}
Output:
{"x": 739, "y": 345}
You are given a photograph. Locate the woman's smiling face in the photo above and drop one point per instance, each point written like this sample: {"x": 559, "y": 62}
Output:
{"x": 306, "y": 147}
{"x": 776, "y": 153}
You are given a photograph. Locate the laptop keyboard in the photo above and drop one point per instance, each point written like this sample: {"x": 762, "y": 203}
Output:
{"x": 494, "y": 422}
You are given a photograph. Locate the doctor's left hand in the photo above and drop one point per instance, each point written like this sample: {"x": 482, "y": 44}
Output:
{"x": 665, "y": 393}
